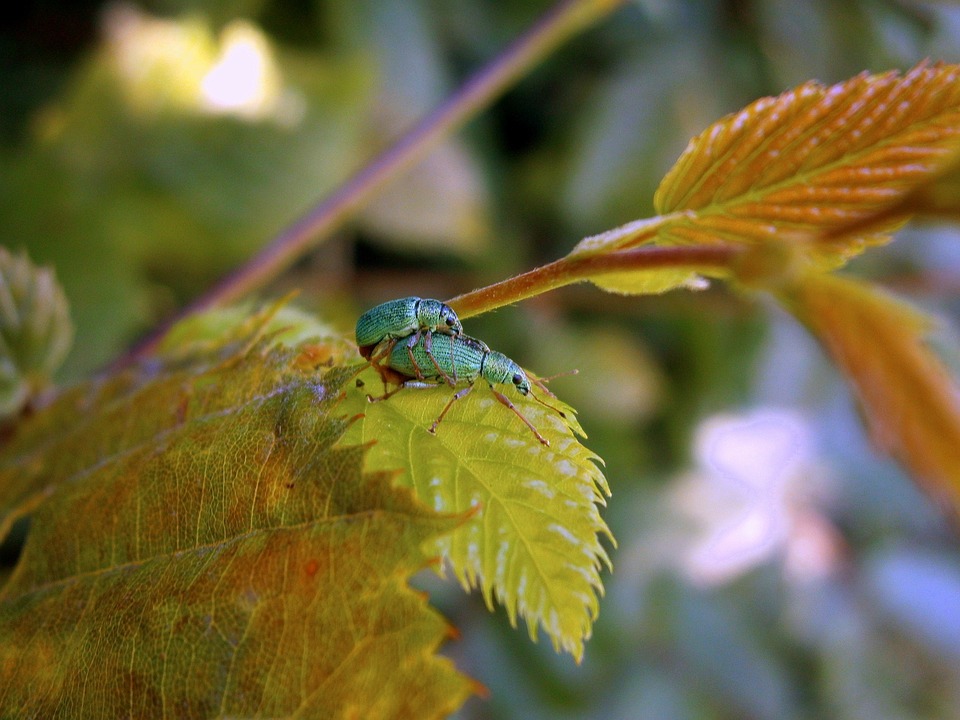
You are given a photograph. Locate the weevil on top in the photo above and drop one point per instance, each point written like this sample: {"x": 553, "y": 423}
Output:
{"x": 381, "y": 328}
{"x": 429, "y": 354}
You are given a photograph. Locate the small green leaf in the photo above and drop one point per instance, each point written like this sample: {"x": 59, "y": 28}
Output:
{"x": 642, "y": 282}
{"x": 35, "y": 329}
{"x": 534, "y": 544}
{"x": 648, "y": 282}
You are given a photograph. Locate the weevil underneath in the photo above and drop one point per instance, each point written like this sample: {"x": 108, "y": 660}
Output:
{"x": 465, "y": 358}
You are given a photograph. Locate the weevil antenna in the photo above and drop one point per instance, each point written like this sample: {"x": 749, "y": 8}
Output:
{"x": 542, "y": 382}
{"x": 557, "y": 410}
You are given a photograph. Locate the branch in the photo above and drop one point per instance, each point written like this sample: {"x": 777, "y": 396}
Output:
{"x": 564, "y": 21}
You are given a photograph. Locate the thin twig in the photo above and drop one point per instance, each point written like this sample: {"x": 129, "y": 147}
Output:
{"x": 564, "y": 21}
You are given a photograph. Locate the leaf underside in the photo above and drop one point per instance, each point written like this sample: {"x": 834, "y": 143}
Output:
{"x": 198, "y": 548}
{"x": 534, "y": 543}
{"x": 911, "y": 404}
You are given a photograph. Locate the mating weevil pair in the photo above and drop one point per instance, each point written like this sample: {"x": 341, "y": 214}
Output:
{"x": 414, "y": 341}
{"x": 381, "y": 328}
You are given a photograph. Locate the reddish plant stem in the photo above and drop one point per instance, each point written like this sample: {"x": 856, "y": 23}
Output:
{"x": 565, "y": 20}
{"x": 569, "y": 270}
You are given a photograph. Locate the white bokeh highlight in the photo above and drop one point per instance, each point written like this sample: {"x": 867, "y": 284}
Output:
{"x": 754, "y": 497}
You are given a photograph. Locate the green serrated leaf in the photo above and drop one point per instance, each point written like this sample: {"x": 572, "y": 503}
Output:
{"x": 534, "y": 544}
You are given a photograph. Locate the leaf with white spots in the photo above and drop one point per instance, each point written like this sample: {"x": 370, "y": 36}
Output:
{"x": 534, "y": 543}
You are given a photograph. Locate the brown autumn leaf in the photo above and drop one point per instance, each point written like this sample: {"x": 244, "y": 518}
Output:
{"x": 199, "y": 548}
{"x": 910, "y": 402}
{"x": 798, "y": 166}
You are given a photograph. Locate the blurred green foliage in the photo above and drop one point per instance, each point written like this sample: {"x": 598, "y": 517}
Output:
{"x": 141, "y": 179}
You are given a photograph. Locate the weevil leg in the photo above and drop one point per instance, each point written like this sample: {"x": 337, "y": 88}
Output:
{"x": 506, "y": 401}
{"x": 453, "y": 364}
{"x": 413, "y": 361}
{"x": 381, "y": 351}
{"x": 457, "y": 396}
{"x": 428, "y": 346}
{"x": 558, "y": 411}
{"x": 360, "y": 368}
{"x": 386, "y": 395}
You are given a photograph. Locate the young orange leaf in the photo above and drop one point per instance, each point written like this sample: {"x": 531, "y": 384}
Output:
{"x": 814, "y": 157}
{"x": 937, "y": 197}
{"x": 199, "y": 548}
{"x": 798, "y": 165}
{"x": 911, "y": 404}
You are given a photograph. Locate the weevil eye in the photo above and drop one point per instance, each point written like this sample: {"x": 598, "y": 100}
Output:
{"x": 517, "y": 379}
{"x": 451, "y": 321}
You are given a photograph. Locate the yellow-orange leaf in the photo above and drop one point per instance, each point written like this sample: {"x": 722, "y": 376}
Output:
{"x": 198, "y": 548}
{"x": 812, "y": 159}
{"x": 938, "y": 197}
{"x": 911, "y": 404}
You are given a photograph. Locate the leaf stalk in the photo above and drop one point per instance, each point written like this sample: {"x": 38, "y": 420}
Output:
{"x": 577, "y": 268}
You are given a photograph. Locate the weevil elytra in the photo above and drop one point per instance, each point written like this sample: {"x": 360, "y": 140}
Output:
{"x": 465, "y": 358}
{"x": 380, "y": 329}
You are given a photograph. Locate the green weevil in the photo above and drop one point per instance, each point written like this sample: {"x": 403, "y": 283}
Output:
{"x": 380, "y": 329}
{"x": 465, "y": 358}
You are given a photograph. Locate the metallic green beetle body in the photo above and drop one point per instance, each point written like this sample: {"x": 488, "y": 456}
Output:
{"x": 407, "y": 317}
{"x": 461, "y": 357}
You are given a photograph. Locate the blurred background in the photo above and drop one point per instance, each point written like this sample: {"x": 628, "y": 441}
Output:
{"x": 770, "y": 565}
